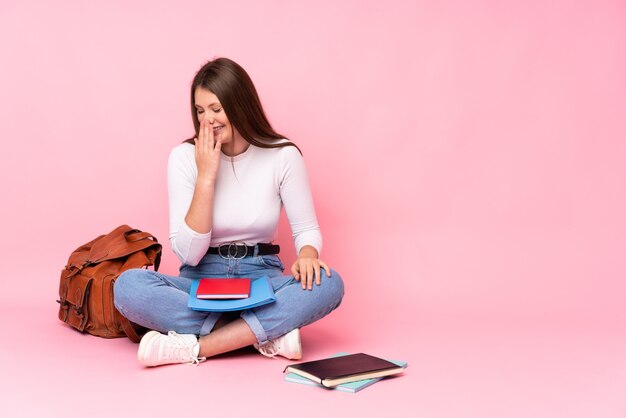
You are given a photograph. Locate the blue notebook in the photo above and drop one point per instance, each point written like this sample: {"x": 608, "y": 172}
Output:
{"x": 351, "y": 387}
{"x": 261, "y": 293}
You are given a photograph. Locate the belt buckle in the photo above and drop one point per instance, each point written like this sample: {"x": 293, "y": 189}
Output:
{"x": 232, "y": 249}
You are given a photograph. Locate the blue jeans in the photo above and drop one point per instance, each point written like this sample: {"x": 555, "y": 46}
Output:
{"x": 158, "y": 301}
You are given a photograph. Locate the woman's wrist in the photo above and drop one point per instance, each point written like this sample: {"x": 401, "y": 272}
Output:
{"x": 308, "y": 251}
{"x": 205, "y": 182}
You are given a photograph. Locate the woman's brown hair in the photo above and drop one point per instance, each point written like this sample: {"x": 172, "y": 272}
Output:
{"x": 239, "y": 99}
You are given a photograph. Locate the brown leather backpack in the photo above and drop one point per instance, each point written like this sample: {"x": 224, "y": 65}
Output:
{"x": 86, "y": 288}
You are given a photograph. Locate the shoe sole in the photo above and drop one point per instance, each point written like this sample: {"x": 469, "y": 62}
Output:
{"x": 145, "y": 343}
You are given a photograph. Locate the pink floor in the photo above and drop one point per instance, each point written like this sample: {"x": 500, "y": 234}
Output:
{"x": 456, "y": 369}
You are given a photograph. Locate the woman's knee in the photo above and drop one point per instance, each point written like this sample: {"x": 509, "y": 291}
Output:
{"x": 127, "y": 284}
{"x": 335, "y": 285}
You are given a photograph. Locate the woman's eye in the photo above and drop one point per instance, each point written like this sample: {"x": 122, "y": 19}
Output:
{"x": 217, "y": 110}
{"x": 199, "y": 112}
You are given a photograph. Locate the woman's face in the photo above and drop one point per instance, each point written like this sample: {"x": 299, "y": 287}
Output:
{"x": 208, "y": 107}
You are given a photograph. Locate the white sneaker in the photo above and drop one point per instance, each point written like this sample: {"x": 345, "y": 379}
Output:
{"x": 156, "y": 349}
{"x": 288, "y": 346}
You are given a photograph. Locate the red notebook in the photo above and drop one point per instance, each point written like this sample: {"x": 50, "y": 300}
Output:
{"x": 223, "y": 288}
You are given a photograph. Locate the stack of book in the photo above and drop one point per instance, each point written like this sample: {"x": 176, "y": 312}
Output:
{"x": 343, "y": 371}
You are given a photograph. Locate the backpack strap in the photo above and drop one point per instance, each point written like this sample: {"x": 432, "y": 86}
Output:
{"x": 137, "y": 235}
{"x": 129, "y": 330}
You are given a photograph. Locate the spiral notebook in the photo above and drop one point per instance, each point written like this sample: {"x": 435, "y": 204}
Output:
{"x": 261, "y": 293}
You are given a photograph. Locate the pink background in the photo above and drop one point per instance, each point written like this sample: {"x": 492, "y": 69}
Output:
{"x": 468, "y": 160}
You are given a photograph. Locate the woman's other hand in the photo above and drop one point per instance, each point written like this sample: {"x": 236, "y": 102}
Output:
{"x": 307, "y": 268}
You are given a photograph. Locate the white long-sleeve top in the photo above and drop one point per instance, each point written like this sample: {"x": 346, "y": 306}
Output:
{"x": 249, "y": 192}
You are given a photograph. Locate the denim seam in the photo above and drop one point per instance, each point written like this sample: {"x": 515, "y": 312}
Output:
{"x": 263, "y": 263}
